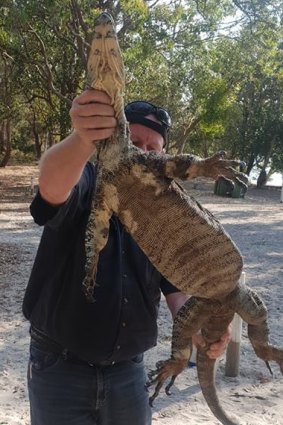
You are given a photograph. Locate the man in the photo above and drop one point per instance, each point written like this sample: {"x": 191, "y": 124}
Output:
{"x": 86, "y": 359}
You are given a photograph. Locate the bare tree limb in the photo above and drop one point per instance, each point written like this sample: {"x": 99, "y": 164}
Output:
{"x": 48, "y": 68}
{"x": 153, "y": 4}
{"x": 83, "y": 46}
{"x": 78, "y": 13}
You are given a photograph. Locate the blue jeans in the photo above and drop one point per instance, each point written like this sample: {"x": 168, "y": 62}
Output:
{"x": 62, "y": 392}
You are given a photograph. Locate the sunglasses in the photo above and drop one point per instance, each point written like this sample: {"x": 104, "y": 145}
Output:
{"x": 145, "y": 108}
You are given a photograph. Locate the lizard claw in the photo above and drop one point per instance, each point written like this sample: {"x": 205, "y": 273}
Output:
{"x": 171, "y": 383}
{"x": 164, "y": 369}
{"x": 268, "y": 367}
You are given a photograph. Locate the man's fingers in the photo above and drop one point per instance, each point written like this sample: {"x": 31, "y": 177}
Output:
{"x": 92, "y": 109}
{"x": 198, "y": 340}
{"x": 218, "y": 348}
{"x": 92, "y": 103}
{"x": 95, "y": 122}
{"x": 226, "y": 338}
{"x": 92, "y": 96}
{"x": 93, "y": 116}
{"x": 98, "y": 134}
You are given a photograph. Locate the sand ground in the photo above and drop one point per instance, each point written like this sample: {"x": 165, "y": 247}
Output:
{"x": 256, "y": 225}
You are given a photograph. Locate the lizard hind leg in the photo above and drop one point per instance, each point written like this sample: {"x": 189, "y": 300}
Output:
{"x": 165, "y": 369}
{"x": 187, "y": 322}
{"x": 253, "y": 311}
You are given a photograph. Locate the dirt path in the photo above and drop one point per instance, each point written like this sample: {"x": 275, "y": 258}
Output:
{"x": 255, "y": 223}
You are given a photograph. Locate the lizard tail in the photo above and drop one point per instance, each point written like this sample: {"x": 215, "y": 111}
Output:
{"x": 206, "y": 375}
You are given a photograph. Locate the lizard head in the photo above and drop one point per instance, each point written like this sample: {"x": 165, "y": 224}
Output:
{"x": 105, "y": 64}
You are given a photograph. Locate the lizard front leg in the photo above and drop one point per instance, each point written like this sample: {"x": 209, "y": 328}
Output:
{"x": 187, "y": 167}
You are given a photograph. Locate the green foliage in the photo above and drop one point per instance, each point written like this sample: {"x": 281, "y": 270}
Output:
{"x": 215, "y": 65}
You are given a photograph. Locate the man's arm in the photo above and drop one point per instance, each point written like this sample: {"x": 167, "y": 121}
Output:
{"x": 175, "y": 302}
{"x": 62, "y": 165}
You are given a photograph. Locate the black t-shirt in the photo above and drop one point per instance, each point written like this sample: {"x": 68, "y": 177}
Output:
{"x": 122, "y": 321}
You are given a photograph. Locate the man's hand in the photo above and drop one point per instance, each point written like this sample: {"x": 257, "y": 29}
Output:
{"x": 218, "y": 348}
{"x": 92, "y": 116}
{"x": 175, "y": 302}
{"x": 62, "y": 165}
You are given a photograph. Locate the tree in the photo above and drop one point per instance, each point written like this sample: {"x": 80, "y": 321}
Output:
{"x": 255, "y": 130}
{"x": 7, "y": 107}
{"x": 200, "y": 59}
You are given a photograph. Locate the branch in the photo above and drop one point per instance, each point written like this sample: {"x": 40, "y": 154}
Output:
{"x": 81, "y": 44}
{"x": 78, "y": 49}
{"x": 29, "y": 100}
{"x": 48, "y": 68}
{"x": 74, "y": 27}
{"x": 78, "y": 13}
{"x": 153, "y": 4}
{"x": 5, "y": 55}
{"x": 239, "y": 6}
{"x": 128, "y": 25}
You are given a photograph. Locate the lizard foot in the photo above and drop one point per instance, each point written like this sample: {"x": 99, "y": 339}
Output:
{"x": 267, "y": 353}
{"x": 164, "y": 369}
{"x": 278, "y": 359}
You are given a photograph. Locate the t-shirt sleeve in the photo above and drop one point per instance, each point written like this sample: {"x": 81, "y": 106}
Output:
{"x": 41, "y": 210}
{"x": 80, "y": 197}
{"x": 167, "y": 287}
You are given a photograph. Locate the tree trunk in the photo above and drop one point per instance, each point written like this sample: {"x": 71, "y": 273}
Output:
{"x": 50, "y": 139}
{"x": 250, "y": 164}
{"x": 7, "y": 144}
{"x": 2, "y": 137}
{"x": 37, "y": 142}
{"x": 187, "y": 131}
{"x": 262, "y": 178}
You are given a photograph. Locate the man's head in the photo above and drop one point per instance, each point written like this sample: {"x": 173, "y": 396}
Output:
{"x": 149, "y": 125}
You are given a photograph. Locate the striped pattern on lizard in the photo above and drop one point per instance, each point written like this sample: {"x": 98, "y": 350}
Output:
{"x": 183, "y": 240}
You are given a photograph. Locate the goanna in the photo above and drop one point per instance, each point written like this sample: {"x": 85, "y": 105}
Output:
{"x": 182, "y": 240}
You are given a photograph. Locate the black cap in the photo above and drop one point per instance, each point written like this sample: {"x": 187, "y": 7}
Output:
{"x": 135, "y": 118}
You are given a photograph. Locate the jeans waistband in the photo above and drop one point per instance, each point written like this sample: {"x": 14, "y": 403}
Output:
{"x": 43, "y": 342}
